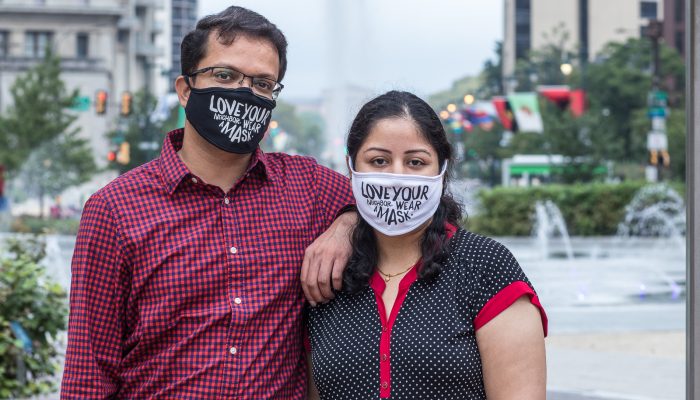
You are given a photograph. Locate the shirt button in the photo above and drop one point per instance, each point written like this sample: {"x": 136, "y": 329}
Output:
{"x": 232, "y": 350}
{"x": 237, "y": 300}
{"x": 384, "y": 329}
{"x": 384, "y": 357}
{"x": 385, "y": 385}
{"x": 226, "y": 200}
{"x": 194, "y": 180}
{"x": 234, "y": 250}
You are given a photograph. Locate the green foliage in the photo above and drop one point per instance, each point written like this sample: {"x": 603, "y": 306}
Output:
{"x": 137, "y": 128}
{"x": 619, "y": 82}
{"x": 29, "y": 298}
{"x": 36, "y": 225}
{"x": 589, "y": 210}
{"x": 61, "y": 162}
{"x": 543, "y": 66}
{"x": 38, "y": 115}
{"x": 304, "y": 130}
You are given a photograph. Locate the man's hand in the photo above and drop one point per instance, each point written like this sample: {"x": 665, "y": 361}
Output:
{"x": 325, "y": 260}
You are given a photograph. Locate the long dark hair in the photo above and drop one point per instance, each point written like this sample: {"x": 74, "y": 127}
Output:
{"x": 365, "y": 255}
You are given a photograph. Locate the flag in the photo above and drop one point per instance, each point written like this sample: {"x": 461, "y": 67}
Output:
{"x": 526, "y": 111}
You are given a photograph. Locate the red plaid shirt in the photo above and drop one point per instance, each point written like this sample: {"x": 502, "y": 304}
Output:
{"x": 180, "y": 290}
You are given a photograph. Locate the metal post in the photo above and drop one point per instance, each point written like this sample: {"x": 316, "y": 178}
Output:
{"x": 692, "y": 61}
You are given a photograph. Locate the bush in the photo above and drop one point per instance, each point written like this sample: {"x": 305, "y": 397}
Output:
{"x": 29, "y": 300}
{"x": 36, "y": 225}
{"x": 588, "y": 209}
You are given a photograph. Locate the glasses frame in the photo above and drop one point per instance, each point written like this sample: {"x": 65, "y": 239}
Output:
{"x": 275, "y": 92}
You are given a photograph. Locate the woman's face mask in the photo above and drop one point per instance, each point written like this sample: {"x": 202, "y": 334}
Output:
{"x": 396, "y": 204}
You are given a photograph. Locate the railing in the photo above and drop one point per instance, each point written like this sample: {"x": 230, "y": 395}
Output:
{"x": 67, "y": 64}
{"x": 80, "y": 6}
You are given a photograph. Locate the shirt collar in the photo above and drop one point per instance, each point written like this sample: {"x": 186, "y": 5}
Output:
{"x": 174, "y": 170}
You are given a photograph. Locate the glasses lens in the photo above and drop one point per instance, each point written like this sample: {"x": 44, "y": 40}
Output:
{"x": 225, "y": 76}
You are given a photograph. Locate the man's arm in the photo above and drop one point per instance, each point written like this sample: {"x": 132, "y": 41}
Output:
{"x": 95, "y": 324}
{"x": 325, "y": 259}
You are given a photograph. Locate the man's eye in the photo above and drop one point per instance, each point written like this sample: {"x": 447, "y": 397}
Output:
{"x": 262, "y": 84}
{"x": 223, "y": 76}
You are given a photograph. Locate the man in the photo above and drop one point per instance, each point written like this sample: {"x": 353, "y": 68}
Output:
{"x": 186, "y": 270}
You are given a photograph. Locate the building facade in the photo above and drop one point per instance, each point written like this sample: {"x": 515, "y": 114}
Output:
{"x": 674, "y": 24}
{"x": 105, "y": 46}
{"x": 590, "y": 25}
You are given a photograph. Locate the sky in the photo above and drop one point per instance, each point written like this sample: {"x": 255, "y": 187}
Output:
{"x": 416, "y": 45}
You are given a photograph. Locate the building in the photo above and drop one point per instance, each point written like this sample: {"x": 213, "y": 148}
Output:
{"x": 107, "y": 47}
{"x": 183, "y": 20}
{"x": 591, "y": 24}
{"x": 674, "y": 24}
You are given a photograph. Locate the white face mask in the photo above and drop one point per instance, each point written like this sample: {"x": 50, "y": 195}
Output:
{"x": 395, "y": 204}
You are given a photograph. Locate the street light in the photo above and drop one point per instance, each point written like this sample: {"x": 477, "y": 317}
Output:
{"x": 451, "y": 107}
{"x": 469, "y": 99}
{"x": 444, "y": 114}
{"x": 566, "y": 69}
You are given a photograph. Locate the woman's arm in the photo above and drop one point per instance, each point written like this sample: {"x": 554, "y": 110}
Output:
{"x": 312, "y": 393}
{"x": 513, "y": 353}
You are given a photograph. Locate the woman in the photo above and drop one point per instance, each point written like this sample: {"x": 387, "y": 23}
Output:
{"x": 428, "y": 310}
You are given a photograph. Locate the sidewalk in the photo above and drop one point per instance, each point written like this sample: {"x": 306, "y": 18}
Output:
{"x": 616, "y": 366}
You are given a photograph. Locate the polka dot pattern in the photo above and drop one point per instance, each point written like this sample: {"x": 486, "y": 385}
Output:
{"x": 434, "y": 354}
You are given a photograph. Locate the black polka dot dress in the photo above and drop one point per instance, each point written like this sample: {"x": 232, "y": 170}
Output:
{"x": 426, "y": 348}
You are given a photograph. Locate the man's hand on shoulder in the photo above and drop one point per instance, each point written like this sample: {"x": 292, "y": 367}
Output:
{"x": 325, "y": 260}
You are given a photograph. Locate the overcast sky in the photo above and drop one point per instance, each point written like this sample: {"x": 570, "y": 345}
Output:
{"x": 417, "y": 45}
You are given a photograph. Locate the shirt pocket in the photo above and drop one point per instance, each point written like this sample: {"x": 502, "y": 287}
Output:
{"x": 276, "y": 261}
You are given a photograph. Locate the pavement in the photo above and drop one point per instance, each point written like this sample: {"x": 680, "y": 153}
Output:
{"x": 616, "y": 366}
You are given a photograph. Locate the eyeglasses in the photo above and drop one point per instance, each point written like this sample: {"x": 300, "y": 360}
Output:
{"x": 229, "y": 77}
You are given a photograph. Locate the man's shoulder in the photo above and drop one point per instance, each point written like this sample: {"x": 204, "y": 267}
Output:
{"x": 129, "y": 183}
{"x": 288, "y": 163}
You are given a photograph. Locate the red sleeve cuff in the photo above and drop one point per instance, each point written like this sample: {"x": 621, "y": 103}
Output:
{"x": 503, "y": 299}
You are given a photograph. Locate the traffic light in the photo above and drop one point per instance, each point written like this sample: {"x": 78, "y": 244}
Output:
{"x": 123, "y": 156}
{"x": 653, "y": 157}
{"x": 101, "y": 102}
{"x": 666, "y": 158}
{"x": 126, "y": 104}
{"x": 111, "y": 156}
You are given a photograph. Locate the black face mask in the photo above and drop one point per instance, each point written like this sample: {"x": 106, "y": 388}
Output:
{"x": 234, "y": 120}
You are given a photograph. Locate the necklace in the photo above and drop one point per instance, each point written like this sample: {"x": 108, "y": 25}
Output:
{"x": 387, "y": 277}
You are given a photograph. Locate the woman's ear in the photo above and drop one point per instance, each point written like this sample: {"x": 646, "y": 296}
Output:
{"x": 347, "y": 163}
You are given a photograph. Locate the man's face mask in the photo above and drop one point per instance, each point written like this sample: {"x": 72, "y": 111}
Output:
{"x": 234, "y": 120}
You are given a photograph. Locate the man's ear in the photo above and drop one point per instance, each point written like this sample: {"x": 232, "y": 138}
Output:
{"x": 182, "y": 89}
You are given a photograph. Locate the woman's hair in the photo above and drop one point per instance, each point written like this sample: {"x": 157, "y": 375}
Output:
{"x": 365, "y": 256}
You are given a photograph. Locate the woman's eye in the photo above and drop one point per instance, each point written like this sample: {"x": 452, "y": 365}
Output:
{"x": 416, "y": 163}
{"x": 379, "y": 161}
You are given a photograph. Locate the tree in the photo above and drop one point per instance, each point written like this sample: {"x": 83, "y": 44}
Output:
{"x": 543, "y": 65}
{"x": 619, "y": 82}
{"x": 304, "y": 133}
{"x": 38, "y": 115}
{"x": 62, "y": 162}
{"x": 143, "y": 135}
{"x": 37, "y": 143}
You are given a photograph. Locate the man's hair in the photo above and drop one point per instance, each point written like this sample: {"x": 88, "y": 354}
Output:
{"x": 228, "y": 24}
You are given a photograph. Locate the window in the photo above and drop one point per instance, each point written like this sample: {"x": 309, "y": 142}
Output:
{"x": 81, "y": 49}
{"x": 35, "y": 43}
{"x": 648, "y": 9}
{"x": 680, "y": 41}
{"x": 679, "y": 11}
{"x": 4, "y": 43}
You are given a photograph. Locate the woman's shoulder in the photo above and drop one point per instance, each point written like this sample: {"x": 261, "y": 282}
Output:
{"x": 473, "y": 246}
